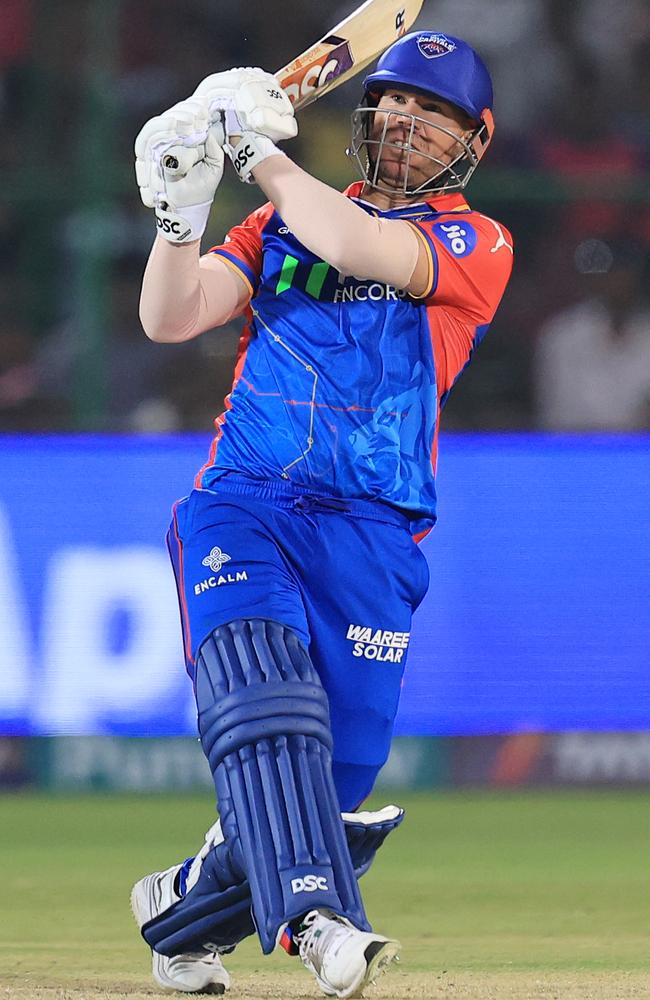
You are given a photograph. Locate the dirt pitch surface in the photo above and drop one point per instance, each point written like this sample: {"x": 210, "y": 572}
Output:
{"x": 524, "y": 896}
{"x": 394, "y": 986}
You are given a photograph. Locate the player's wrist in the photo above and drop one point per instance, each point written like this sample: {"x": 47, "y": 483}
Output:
{"x": 182, "y": 225}
{"x": 248, "y": 151}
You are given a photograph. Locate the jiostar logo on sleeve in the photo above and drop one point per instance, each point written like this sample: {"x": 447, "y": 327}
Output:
{"x": 458, "y": 237}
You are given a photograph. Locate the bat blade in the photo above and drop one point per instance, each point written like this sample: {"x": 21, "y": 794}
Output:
{"x": 347, "y": 49}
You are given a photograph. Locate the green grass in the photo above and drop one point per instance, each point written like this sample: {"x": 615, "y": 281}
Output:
{"x": 540, "y": 882}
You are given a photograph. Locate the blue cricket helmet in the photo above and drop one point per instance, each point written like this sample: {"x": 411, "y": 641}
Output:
{"x": 433, "y": 63}
{"x": 437, "y": 64}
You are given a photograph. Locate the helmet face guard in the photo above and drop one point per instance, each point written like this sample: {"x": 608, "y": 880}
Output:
{"x": 437, "y": 65}
{"x": 367, "y": 152}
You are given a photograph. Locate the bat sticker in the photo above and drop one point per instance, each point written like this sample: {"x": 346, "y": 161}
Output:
{"x": 326, "y": 66}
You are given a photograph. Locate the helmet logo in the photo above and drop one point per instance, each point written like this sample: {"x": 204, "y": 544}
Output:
{"x": 434, "y": 45}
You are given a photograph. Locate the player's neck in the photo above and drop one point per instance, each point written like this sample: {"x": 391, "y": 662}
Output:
{"x": 386, "y": 201}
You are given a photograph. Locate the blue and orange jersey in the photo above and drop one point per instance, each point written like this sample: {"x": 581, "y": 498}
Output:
{"x": 339, "y": 381}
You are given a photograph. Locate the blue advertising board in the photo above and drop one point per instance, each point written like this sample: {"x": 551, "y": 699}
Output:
{"x": 537, "y": 617}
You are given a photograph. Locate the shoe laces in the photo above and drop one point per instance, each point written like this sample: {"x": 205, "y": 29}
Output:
{"x": 204, "y": 955}
{"x": 319, "y": 933}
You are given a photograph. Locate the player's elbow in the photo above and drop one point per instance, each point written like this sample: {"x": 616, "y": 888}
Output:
{"x": 160, "y": 331}
{"x": 161, "y": 336}
{"x": 154, "y": 333}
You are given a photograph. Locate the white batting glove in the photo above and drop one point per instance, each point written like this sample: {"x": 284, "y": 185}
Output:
{"x": 179, "y": 164}
{"x": 252, "y": 100}
{"x": 256, "y": 113}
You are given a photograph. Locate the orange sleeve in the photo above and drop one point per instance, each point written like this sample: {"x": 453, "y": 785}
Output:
{"x": 242, "y": 247}
{"x": 471, "y": 262}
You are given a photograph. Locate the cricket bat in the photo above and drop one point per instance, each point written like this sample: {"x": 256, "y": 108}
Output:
{"x": 347, "y": 49}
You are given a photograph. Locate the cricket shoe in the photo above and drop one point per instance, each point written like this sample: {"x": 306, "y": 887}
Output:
{"x": 193, "y": 972}
{"x": 342, "y": 958}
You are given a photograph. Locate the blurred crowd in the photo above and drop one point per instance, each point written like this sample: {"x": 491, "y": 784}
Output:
{"x": 568, "y": 173}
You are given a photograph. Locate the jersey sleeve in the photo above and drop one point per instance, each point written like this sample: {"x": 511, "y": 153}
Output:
{"x": 242, "y": 247}
{"x": 471, "y": 261}
{"x": 470, "y": 264}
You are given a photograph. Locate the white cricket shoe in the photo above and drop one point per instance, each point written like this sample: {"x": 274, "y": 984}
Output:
{"x": 343, "y": 959}
{"x": 193, "y": 972}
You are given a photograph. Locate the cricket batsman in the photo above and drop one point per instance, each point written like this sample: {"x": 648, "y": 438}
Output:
{"x": 295, "y": 554}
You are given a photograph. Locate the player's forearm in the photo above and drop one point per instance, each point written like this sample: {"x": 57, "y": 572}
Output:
{"x": 334, "y": 228}
{"x": 182, "y": 296}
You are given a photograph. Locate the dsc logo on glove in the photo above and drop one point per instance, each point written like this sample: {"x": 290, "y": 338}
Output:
{"x": 242, "y": 158}
{"x": 167, "y": 225}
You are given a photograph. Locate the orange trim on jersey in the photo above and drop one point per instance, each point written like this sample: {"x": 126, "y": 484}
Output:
{"x": 462, "y": 206}
{"x": 434, "y": 444}
{"x": 221, "y": 419}
{"x": 453, "y": 201}
{"x": 181, "y": 590}
{"x": 434, "y": 463}
{"x": 431, "y": 272}
{"x": 210, "y": 460}
{"x": 236, "y": 269}
{"x": 354, "y": 408}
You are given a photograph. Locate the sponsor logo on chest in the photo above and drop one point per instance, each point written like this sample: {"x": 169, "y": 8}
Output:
{"x": 322, "y": 282}
{"x": 378, "y": 644}
{"x": 362, "y": 291}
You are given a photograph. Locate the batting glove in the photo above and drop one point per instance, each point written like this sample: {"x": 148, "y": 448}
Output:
{"x": 179, "y": 165}
{"x": 256, "y": 114}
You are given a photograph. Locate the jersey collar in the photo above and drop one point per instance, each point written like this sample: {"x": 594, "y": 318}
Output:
{"x": 452, "y": 202}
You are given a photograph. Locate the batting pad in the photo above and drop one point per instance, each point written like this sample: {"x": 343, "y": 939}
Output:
{"x": 217, "y": 909}
{"x": 264, "y": 725}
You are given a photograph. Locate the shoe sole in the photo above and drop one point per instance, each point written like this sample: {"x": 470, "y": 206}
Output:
{"x": 144, "y": 906}
{"x": 378, "y": 955}
{"x": 143, "y": 901}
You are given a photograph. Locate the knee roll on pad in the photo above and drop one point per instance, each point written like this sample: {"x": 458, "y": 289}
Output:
{"x": 217, "y": 909}
{"x": 264, "y": 725}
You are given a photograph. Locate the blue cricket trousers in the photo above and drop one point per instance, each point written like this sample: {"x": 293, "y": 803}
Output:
{"x": 346, "y": 576}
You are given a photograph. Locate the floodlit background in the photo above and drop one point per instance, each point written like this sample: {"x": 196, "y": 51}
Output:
{"x": 537, "y": 620}
{"x": 568, "y": 173}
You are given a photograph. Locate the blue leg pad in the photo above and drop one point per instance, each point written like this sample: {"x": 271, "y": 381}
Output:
{"x": 264, "y": 726}
{"x": 366, "y": 832}
{"x": 217, "y": 909}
